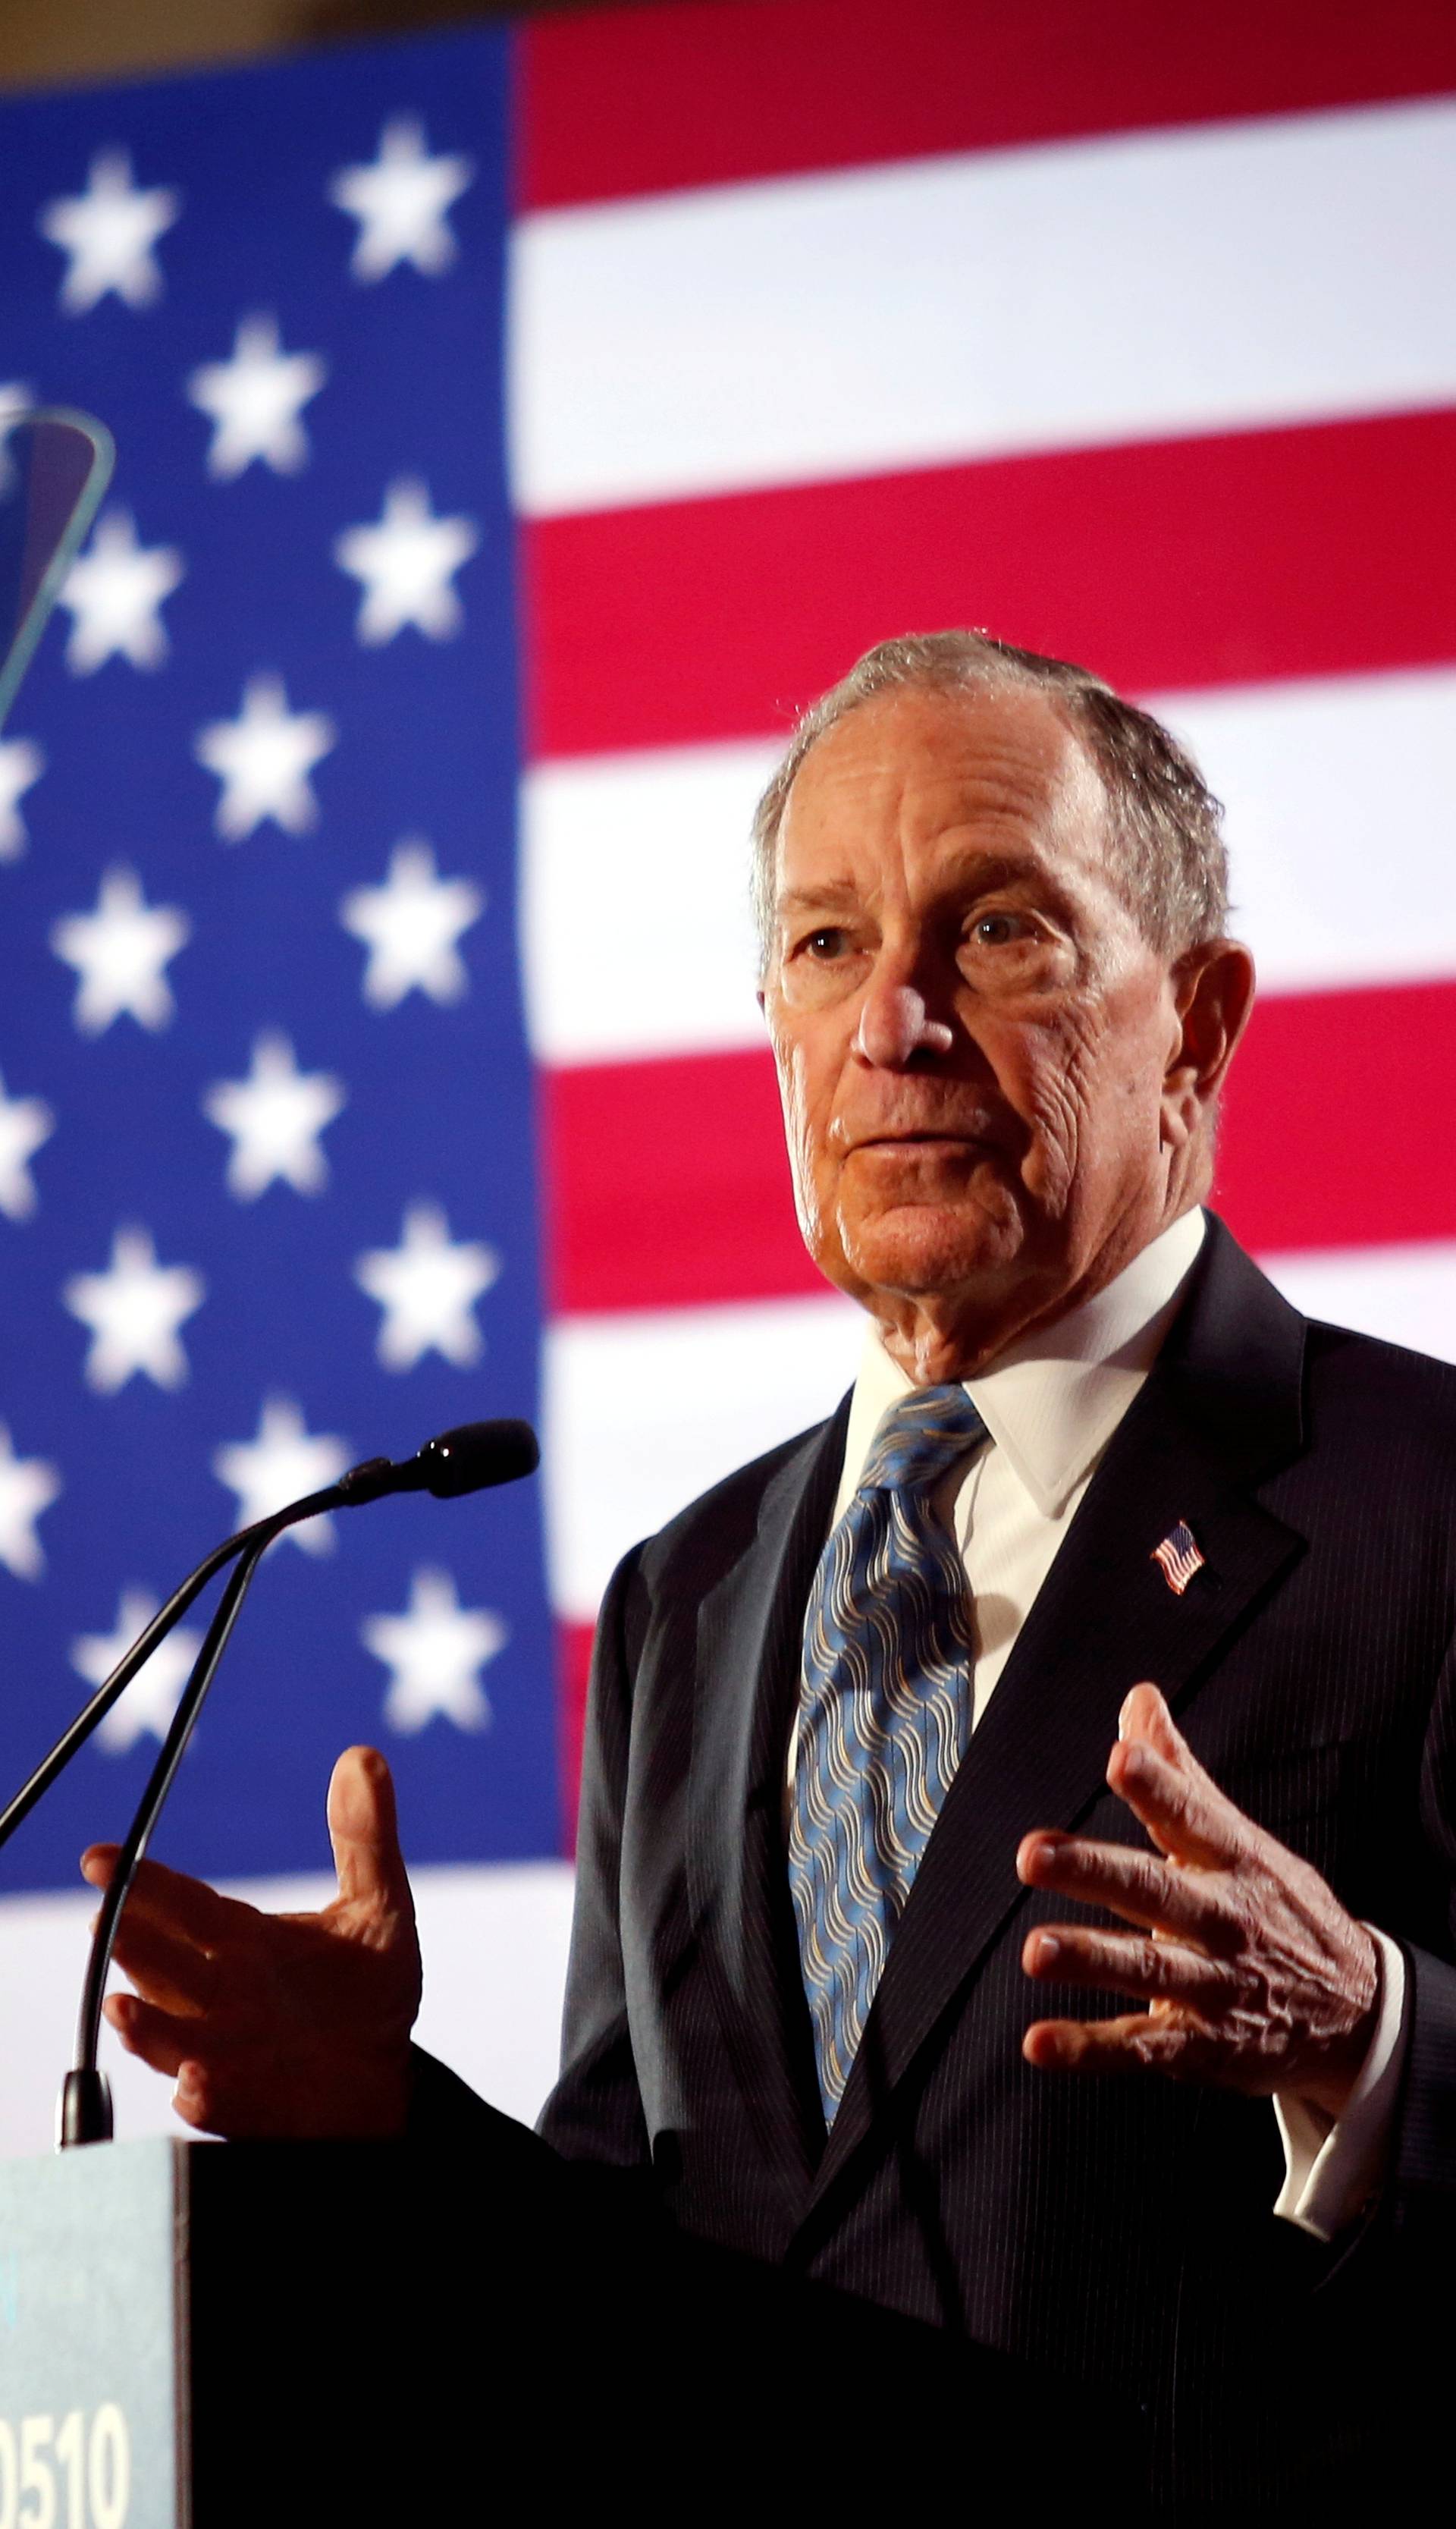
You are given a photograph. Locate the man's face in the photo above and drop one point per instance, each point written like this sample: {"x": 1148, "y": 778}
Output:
{"x": 971, "y": 1031}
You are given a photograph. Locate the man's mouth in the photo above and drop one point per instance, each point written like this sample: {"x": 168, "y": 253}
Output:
{"x": 922, "y": 1137}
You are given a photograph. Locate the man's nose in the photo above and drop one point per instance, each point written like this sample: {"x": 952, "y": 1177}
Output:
{"x": 894, "y": 1026}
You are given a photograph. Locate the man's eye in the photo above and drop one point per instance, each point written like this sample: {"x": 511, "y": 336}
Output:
{"x": 825, "y": 943}
{"x": 1000, "y": 930}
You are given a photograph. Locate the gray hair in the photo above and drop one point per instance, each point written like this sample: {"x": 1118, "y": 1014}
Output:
{"x": 1165, "y": 838}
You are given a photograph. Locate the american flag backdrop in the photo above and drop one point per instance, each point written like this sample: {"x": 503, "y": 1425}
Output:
{"x": 514, "y": 430}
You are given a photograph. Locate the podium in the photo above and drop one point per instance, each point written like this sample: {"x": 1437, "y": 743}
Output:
{"x": 197, "y": 2334}
{"x": 186, "y": 2333}
{"x": 91, "y": 2321}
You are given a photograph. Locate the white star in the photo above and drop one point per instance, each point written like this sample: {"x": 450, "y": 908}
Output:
{"x": 25, "y": 1123}
{"x": 109, "y": 232}
{"x": 21, "y": 764}
{"x": 436, "y": 1651}
{"x": 27, "y": 1486}
{"x": 119, "y": 952}
{"x": 274, "y": 1118}
{"x": 151, "y": 1698}
{"x": 255, "y": 398}
{"x": 113, "y": 595}
{"x": 405, "y": 564}
{"x": 283, "y": 1463}
{"x": 133, "y": 1310}
{"x": 263, "y": 759}
{"x": 400, "y": 201}
{"x": 410, "y": 926}
{"x": 426, "y": 1289}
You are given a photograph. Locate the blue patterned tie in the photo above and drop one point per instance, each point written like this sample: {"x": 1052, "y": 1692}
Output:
{"x": 888, "y": 1651}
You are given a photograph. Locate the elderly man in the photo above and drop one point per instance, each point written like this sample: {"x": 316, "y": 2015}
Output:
{"x": 890, "y": 1839}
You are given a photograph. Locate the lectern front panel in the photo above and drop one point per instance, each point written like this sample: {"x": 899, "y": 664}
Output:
{"x": 91, "y": 2405}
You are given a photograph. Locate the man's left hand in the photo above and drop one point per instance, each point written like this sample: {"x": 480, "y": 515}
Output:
{"x": 1252, "y": 1975}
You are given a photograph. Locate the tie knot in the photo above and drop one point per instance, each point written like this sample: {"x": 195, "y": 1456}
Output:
{"x": 918, "y": 1438}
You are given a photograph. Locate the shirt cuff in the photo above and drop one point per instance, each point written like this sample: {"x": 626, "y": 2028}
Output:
{"x": 1333, "y": 2167}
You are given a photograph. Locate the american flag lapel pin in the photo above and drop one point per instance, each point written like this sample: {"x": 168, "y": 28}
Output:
{"x": 1178, "y": 1557}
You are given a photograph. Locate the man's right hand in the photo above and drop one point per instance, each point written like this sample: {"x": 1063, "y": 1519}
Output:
{"x": 284, "y": 2026}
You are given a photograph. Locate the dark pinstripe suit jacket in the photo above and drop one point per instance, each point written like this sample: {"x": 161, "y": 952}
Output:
{"x": 1119, "y": 2233}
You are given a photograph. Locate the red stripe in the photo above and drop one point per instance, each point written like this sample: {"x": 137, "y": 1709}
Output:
{"x": 670, "y": 1187}
{"x": 667, "y": 1185}
{"x": 1329, "y": 1137}
{"x": 1202, "y": 561}
{"x": 640, "y": 100}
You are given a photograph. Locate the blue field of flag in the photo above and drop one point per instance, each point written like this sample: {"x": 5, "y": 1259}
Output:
{"x": 268, "y": 1194}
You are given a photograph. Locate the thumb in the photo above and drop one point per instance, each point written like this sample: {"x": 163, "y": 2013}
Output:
{"x": 364, "y": 1833}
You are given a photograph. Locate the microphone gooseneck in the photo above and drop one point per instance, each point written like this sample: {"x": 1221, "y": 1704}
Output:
{"x": 465, "y": 1459}
{"x": 84, "y": 2111}
{"x": 462, "y": 1461}
{"x": 75, "y": 1735}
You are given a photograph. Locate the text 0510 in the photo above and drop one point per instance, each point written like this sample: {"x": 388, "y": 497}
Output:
{"x": 65, "y": 2472}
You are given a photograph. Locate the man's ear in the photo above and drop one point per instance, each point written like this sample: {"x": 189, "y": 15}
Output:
{"x": 1212, "y": 995}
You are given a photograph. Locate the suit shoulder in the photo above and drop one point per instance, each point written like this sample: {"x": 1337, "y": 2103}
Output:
{"x": 1389, "y": 1386}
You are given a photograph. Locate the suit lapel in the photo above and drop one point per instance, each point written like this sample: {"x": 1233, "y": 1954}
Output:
{"x": 1221, "y": 1409}
{"x": 749, "y": 1649}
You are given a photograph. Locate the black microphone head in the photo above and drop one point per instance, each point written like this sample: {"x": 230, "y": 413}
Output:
{"x": 477, "y": 1454}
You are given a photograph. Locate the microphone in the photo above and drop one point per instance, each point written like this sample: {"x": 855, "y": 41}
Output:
{"x": 462, "y": 1461}
{"x": 465, "y": 1459}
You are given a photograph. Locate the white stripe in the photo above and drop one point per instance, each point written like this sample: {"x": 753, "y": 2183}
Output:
{"x": 495, "y": 1950}
{"x": 1406, "y": 1295}
{"x": 643, "y": 1413}
{"x": 635, "y": 932}
{"x": 1072, "y": 296}
{"x": 1341, "y": 821}
{"x": 1341, "y": 826}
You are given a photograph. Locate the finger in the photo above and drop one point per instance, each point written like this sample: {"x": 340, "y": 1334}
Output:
{"x": 186, "y": 1908}
{"x": 1140, "y": 1885}
{"x": 162, "y": 2041}
{"x": 207, "y": 2091}
{"x": 1181, "y": 1806}
{"x": 1144, "y": 1715}
{"x": 175, "y": 1974}
{"x": 192, "y": 2096}
{"x": 1138, "y": 2042}
{"x": 220, "y": 2098}
{"x": 1145, "y": 1970}
{"x": 1146, "y": 1720}
{"x": 207, "y": 2095}
{"x": 364, "y": 1835}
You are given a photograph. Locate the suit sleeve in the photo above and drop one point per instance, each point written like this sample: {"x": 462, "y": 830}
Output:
{"x": 1400, "y": 2171}
{"x": 1422, "y": 2189}
{"x": 594, "y": 2113}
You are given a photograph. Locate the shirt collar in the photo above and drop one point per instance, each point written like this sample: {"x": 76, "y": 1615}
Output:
{"x": 1051, "y": 1400}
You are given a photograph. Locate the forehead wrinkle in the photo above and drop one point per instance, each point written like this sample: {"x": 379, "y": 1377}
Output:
{"x": 948, "y": 865}
{"x": 1011, "y": 761}
{"x": 829, "y": 891}
{"x": 959, "y": 878}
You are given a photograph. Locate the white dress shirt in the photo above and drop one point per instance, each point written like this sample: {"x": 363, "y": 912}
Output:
{"x": 1050, "y": 1403}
